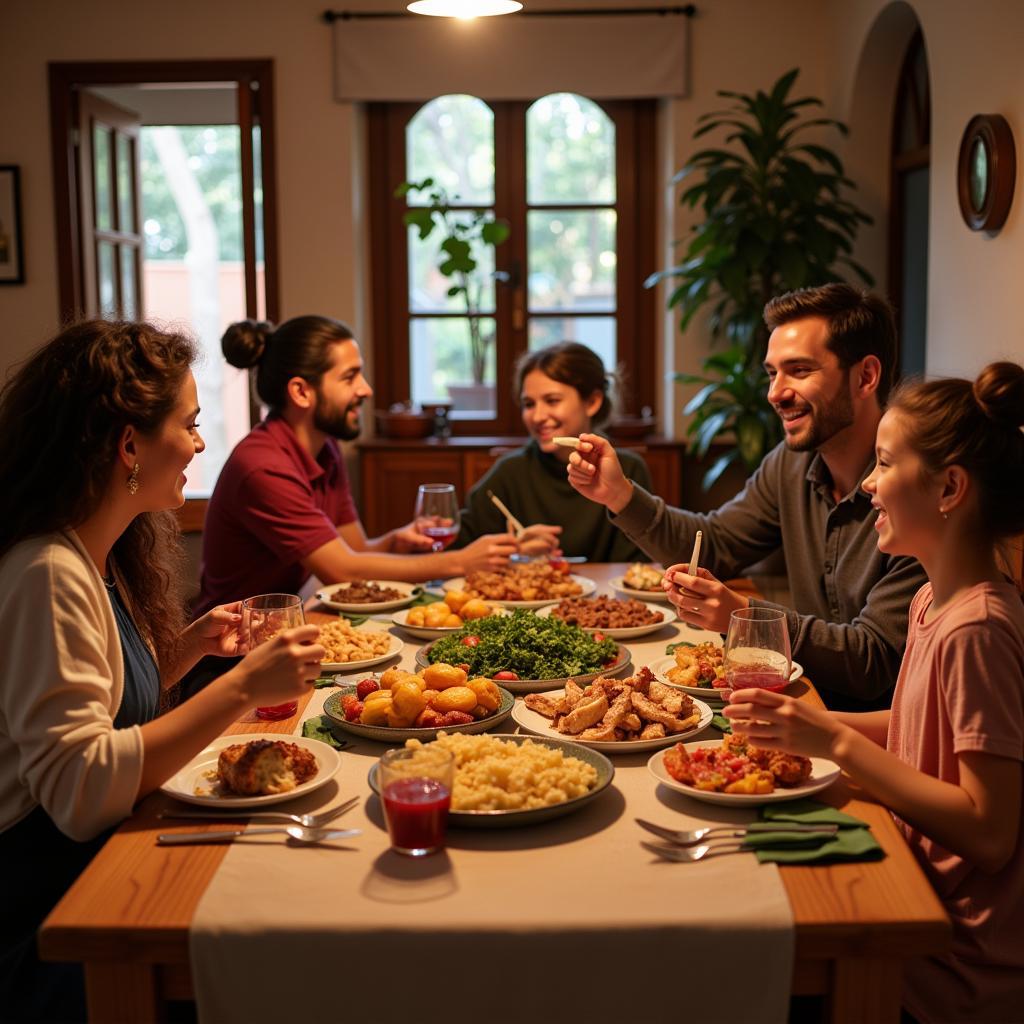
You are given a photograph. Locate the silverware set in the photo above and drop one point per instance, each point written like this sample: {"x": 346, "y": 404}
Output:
{"x": 686, "y": 846}
{"x": 306, "y": 828}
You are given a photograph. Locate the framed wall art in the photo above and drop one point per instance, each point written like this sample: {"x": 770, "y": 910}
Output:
{"x": 986, "y": 171}
{"x": 12, "y": 263}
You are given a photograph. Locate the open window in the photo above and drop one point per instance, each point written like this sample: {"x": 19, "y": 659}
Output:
{"x": 164, "y": 193}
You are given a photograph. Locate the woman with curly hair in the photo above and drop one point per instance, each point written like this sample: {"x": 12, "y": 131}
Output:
{"x": 99, "y": 426}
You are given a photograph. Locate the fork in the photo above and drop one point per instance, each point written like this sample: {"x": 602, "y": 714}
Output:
{"x": 306, "y": 820}
{"x": 686, "y": 855}
{"x": 296, "y": 832}
{"x": 689, "y": 838}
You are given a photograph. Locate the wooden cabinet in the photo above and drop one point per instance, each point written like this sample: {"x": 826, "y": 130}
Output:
{"x": 390, "y": 471}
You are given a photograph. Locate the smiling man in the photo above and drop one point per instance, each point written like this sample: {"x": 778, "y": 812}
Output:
{"x": 830, "y": 363}
{"x": 282, "y": 510}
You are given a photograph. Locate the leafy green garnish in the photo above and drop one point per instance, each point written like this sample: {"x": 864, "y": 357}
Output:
{"x": 524, "y": 643}
{"x": 318, "y": 729}
{"x": 682, "y": 643}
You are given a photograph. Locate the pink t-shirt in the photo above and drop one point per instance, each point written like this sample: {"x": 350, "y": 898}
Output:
{"x": 961, "y": 688}
{"x": 273, "y": 505}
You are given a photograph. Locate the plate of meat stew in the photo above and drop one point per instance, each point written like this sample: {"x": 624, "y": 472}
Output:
{"x": 618, "y": 618}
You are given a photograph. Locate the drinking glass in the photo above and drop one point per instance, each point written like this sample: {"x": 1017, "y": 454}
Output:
{"x": 757, "y": 649}
{"x": 437, "y": 514}
{"x": 416, "y": 790}
{"x": 263, "y": 617}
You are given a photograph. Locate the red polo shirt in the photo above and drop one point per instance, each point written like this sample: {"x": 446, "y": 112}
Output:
{"x": 273, "y": 505}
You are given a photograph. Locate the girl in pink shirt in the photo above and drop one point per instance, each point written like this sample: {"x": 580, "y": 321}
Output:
{"x": 948, "y": 484}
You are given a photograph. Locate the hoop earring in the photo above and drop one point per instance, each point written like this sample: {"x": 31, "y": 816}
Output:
{"x": 132, "y": 482}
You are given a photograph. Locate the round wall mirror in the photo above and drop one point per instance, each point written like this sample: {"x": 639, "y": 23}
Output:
{"x": 986, "y": 172}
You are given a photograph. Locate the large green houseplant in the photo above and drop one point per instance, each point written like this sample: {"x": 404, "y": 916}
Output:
{"x": 463, "y": 233}
{"x": 774, "y": 219}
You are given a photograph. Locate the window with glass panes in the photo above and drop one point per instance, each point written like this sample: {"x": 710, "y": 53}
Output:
{"x": 574, "y": 179}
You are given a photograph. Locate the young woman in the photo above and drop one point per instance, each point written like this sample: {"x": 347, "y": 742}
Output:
{"x": 563, "y": 391}
{"x": 99, "y": 427}
{"x": 948, "y": 485}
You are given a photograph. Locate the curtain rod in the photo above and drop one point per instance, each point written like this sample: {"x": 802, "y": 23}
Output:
{"x": 689, "y": 10}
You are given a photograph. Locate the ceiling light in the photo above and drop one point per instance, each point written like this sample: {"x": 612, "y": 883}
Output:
{"x": 464, "y": 9}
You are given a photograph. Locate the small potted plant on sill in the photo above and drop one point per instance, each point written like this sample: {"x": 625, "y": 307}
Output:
{"x": 464, "y": 232}
{"x": 774, "y": 220}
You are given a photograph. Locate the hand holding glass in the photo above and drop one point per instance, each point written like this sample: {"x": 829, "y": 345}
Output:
{"x": 416, "y": 790}
{"x": 757, "y": 649}
{"x": 263, "y": 617}
{"x": 437, "y": 514}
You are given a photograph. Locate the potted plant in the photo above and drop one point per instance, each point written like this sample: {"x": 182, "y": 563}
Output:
{"x": 464, "y": 232}
{"x": 774, "y": 219}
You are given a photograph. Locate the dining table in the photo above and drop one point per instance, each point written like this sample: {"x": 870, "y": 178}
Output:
{"x": 127, "y": 919}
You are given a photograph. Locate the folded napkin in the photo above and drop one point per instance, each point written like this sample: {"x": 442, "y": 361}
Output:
{"x": 719, "y": 721}
{"x": 853, "y": 841}
{"x": 319, "y": 728}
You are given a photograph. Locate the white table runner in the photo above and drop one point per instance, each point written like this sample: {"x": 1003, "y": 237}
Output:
{"x": 571, "y": 919}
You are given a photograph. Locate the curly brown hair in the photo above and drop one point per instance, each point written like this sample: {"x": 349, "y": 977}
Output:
{"x": 61, "y": 417}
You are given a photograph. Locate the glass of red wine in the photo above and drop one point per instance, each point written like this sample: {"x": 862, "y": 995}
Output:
{"x": 416, "y": 790}
{"x": 437, "y": 514}
{"x": 757, "y": 650}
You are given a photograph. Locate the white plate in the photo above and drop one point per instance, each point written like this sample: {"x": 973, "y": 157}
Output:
{"x": 325, "y": 595}
{"x": 660, "y": 669}
{"x": 539, "y": 725}
{"x": 588, "y": 587}
{"x": 184, "y": 783}
{"x": 431, "y": 632}
{"x": 624, "y": 632}
{"x": 823, "y": 774}
{"x": 395, "y": 647}
{"x": 640, "y": 595}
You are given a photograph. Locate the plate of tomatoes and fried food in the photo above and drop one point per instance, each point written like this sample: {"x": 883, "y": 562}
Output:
{"x": 737, "y": 772}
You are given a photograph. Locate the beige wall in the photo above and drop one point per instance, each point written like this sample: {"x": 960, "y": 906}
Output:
{"x": 975, "y": 281}
{"x": 735, "y": 44}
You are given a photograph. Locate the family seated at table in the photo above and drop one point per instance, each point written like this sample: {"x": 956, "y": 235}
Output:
{"x": 100, "y": 425}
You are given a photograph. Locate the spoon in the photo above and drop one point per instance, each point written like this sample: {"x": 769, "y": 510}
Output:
{"x": 299, "y": 833}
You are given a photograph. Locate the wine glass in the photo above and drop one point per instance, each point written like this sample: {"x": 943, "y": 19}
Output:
{"x": 437, "y": 514}
{"x": 263, "y": 617}
{"x": 757, "y": 649}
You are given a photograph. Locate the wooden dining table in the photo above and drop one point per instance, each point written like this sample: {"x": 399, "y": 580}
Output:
{"x": 127, "y": 917}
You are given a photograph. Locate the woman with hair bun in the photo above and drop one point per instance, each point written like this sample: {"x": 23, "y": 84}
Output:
{"x": 948, "y": 485}
{"x": 282, "y": 510}
{"x": 563, "y": 390}
{"x": 99, "y": 427}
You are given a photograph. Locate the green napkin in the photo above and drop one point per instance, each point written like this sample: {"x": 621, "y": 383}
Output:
{"x": 810, "y": 812}
{"x": 319, "y": 728}
{"x": 721, "y": 723}
{"x": 846, "y": 844}
{"x": 423, "y": 597}
{"x": 319, "y": 684}
{"x": 853, "y": 841}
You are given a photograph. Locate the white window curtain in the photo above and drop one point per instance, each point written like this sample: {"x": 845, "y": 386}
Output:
{"x": 510, "y": 58}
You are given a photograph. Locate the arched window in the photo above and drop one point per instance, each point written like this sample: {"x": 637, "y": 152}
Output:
{"x": 575, "y": 181}
{"x": 908, "y": 218}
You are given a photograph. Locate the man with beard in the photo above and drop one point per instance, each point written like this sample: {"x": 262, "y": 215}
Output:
{"x": 282, "y": 510}
{"x": 830, "y": 361}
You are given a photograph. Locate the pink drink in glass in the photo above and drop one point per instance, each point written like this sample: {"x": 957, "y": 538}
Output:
{"x": 442, "y": 536}
{"x": 416, "y": 809}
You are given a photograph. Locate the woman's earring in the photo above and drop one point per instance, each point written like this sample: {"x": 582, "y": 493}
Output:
{"x": 133, "y": 479}
{"x": 942, "y": 511}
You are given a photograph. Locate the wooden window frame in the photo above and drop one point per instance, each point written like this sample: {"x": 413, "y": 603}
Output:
{"x": 255, "y": 81}
{"x": 635, "y": 250}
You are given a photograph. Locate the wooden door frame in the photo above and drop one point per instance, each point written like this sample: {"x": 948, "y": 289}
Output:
{"x": 66, "y": 78}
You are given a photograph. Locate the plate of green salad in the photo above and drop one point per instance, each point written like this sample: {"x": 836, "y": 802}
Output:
{"x": 525, "y": 653}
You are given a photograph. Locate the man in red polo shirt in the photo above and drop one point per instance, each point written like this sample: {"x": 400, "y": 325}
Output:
{"x": 282, "y": 509}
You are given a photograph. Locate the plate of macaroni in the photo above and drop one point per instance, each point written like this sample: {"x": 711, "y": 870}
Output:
{"x": 350, "y": 648}
{"x": 505, "y": 781}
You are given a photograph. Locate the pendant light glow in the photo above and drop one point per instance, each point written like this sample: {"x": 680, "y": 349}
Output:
{"x": 466, "y": 10}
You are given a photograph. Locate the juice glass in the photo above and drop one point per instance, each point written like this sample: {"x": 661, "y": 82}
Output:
{"x": 263, "y": 617}
{"x": 757, "y": 649}
{"x": 415, "y": 789}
